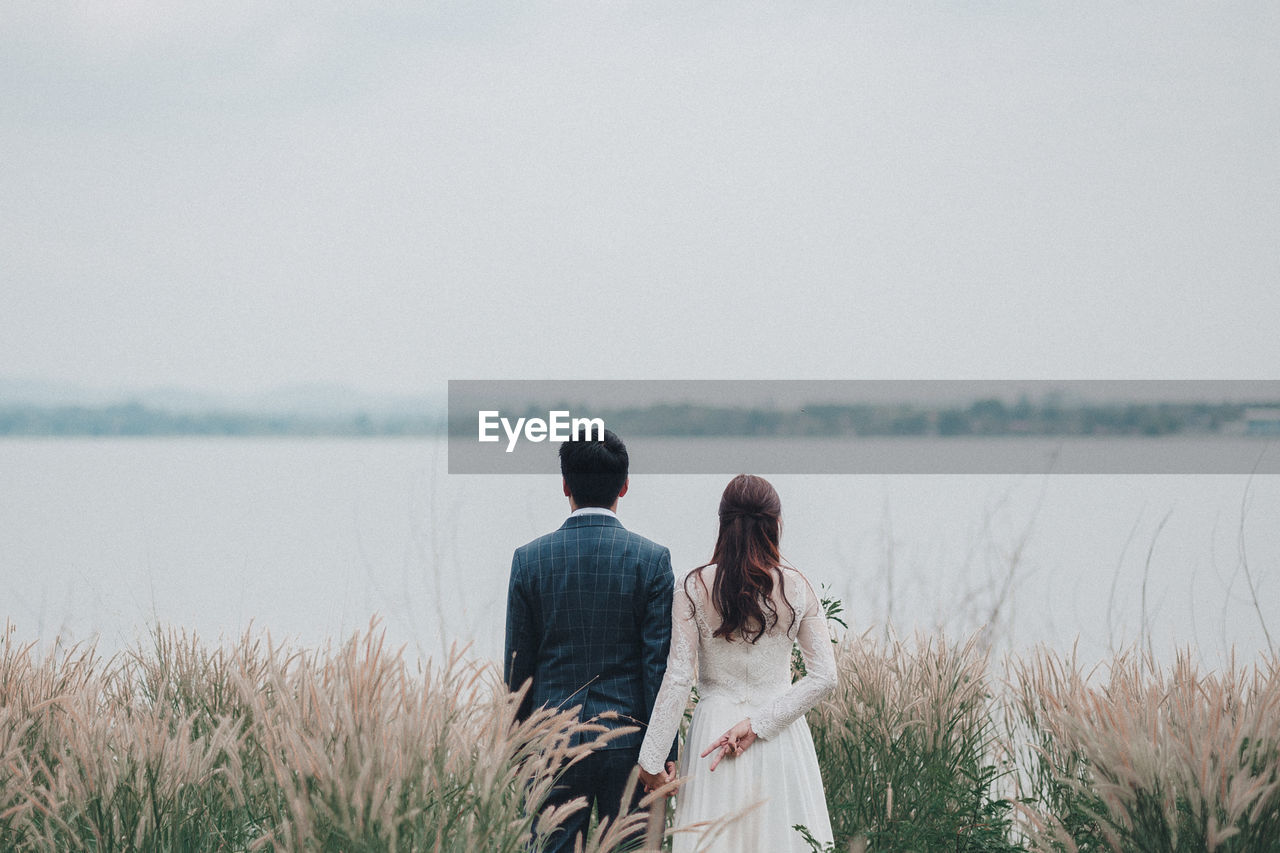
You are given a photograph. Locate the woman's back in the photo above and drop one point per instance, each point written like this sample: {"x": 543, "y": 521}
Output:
{"x": 740, "y": 668}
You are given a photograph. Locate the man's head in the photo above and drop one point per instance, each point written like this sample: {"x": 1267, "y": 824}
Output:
{"x": 595, "y": 472}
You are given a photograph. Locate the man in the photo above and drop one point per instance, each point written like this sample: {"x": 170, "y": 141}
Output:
{"x": 589, "y": 621}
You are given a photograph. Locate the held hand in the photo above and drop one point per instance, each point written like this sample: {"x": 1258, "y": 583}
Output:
{"x": 732, "y": 743}
{"x": 654, "y": 781}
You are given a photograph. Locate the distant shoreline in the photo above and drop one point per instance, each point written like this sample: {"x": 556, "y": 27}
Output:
{"x": 982, "y": 418}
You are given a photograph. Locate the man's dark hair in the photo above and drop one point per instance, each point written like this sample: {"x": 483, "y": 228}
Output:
{"x": 594, "y": 470}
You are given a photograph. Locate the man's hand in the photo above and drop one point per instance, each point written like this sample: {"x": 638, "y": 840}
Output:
{"x": 654, "y": 781}
{"x": 731, "y": 743}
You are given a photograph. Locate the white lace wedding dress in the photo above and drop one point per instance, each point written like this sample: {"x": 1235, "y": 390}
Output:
{"x": 779, "y": 772}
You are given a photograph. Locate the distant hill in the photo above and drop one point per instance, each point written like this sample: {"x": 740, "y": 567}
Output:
{"x": 64, "y": 409}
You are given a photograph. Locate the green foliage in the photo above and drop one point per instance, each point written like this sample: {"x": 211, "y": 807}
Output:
{"x": 906, "y": 748}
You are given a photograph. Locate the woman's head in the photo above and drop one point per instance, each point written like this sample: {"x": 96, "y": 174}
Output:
{"x": 745, "y": 557}
{"x": 752, "y": 504}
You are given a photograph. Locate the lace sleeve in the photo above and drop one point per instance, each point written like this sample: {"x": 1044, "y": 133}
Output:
{"x": 819, "y": 680}
{"x": 668, "y": 710}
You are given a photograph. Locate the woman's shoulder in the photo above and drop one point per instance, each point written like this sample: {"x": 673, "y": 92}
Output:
{"x": 795, "y": 582}
{"x": 697, "y": 577}
{"x": 792, "y": 574}
{"x": 693, "y": 591}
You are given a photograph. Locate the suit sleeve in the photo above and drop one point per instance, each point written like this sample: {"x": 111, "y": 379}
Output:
{"x": 656, "y": 634}
{"x": 521, "y": 643}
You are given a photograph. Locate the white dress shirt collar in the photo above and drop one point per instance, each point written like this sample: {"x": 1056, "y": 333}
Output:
{"x": 593, "y": 510}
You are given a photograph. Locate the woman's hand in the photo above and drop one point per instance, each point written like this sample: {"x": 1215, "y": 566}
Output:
{"x": 732, "y": 743}
{"x": 654, "y": 781}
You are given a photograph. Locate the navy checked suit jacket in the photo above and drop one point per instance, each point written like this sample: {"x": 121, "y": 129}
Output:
{"x": 589, "y": 620}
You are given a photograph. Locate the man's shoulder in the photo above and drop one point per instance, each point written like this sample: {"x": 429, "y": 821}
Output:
{"x": 534, "y": 546}
{"x": 648, "y": 544}
{"x": 643, "y": 544}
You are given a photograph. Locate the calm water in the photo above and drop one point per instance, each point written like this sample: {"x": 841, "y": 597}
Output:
{"x": 310, "y": 538}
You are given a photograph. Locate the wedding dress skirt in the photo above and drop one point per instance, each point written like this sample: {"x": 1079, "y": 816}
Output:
{"x": 779, "y": 775}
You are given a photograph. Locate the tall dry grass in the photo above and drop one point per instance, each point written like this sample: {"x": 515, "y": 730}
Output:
{"x": 183, "y": 746}
{"x": 922, "y": 749}
{"x": 1149, "y": 758}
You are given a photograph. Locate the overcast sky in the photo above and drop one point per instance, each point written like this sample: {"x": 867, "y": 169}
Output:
{"x": 233, "y": 195}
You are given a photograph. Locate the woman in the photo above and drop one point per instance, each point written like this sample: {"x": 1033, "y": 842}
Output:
{"x": 736, "y": 619}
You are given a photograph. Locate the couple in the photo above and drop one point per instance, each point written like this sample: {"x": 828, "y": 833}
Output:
{"x": 595, "y": 619}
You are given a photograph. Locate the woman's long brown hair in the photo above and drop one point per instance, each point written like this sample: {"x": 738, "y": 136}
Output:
{"x": 745, "y": 557}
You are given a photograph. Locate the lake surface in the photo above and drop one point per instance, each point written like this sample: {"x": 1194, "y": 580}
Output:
{"x": 308, "y": 538}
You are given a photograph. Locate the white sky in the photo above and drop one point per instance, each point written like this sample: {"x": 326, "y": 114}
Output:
{"x": 232, "y": 195}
